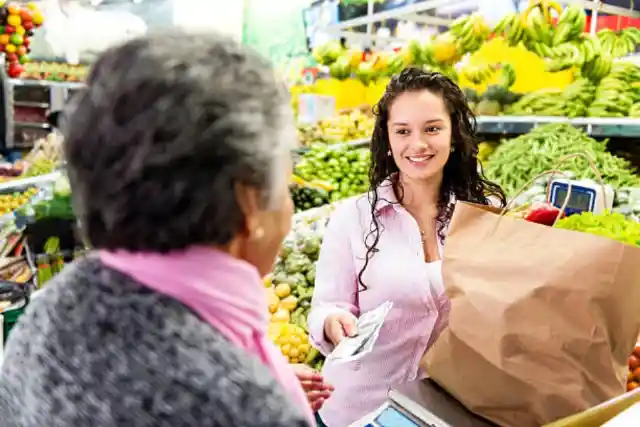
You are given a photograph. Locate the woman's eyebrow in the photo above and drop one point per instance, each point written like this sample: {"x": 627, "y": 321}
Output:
{"x": 427, "y": 122}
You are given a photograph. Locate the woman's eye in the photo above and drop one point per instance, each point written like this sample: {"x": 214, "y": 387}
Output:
{"x": 402, "y": 132}
{"x": 433, "y": 129}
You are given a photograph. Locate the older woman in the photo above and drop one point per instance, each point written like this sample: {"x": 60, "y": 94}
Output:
{"x": 179, "y": 157}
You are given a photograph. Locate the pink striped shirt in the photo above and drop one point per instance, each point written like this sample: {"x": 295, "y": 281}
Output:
{"x": 397, "y": 273}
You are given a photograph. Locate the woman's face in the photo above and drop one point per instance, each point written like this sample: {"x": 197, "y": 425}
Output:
{"x": 277, "y": 221}
{"x": 265, "y": 229}
{"x": 420, "y": 134}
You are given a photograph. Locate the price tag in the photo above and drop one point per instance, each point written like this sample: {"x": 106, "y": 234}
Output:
{"x": 313, "y": 108}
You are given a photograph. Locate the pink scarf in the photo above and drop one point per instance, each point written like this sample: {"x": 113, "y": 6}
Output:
{"x": 224, "y": 291}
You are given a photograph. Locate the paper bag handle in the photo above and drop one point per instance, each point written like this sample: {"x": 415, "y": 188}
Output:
{"x": 528, "y": 184}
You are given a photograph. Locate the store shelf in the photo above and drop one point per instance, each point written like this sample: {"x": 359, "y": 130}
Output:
{"x": 29, "y": 182}
{"x": 604, "y": 127}
{"x": 358, "y": 143}
{"x": 46, "y": 83}
{"x": 34, "y": 125}
{"x": 30, "y": 104}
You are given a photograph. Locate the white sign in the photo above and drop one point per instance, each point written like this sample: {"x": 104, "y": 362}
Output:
{"x": 313, "y": 108}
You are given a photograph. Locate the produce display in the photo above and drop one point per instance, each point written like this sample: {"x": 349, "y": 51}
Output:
{"x": 290, "y": 287}
{"x": 344, "y": 169}
{"x": 17, "y": 24}
{"x": 494, "y": 101}
{"x": 615, "y": 95}
{"x": 51, "y": 71}
{"x": 344, "y": 127}
{"x": 439, "y": 53}
{"x": 509, "y": 55}
{"x": 519, "y": 160}
{"x": 13, "y": 263}
{"x": 13, "y": 201}
{"x": 633, "y": 378}
{"x": 307, "y": 196}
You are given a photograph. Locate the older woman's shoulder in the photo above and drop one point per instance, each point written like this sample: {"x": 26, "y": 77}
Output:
{"x": 96, "y": 330}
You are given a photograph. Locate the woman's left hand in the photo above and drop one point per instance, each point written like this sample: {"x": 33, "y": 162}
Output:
{"x": 315, "y": 388}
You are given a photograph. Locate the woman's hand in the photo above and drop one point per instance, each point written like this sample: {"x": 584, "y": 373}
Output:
{"x": 339, "y": 326}
{"x": 315, "y": 388}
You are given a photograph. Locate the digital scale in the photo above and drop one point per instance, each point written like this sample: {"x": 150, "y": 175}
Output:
{"x": 586, "y": 196}
{"x": 421, "y": 404}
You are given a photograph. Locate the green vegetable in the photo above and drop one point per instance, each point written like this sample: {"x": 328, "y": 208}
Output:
{"x": 518, "y": 160}
{"x": 344, "y": 169}
{"x": 612, "y": 225}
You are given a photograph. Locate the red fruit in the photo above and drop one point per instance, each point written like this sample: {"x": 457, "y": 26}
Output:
{"x": 12, "y": 57}
{"x": 26, "y": 42}
{"x": 28, "y": 25}
{"x": 21, "y": 51}
{"x": 9, "y": 29}
{"x": 25, "y": 15}
{"x": 15, "y": 70}
{"x": 543, "y": 213}
{"x": 3, "y": 47}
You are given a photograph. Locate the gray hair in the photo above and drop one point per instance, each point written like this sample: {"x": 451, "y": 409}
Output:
{"x": 165, "y": 130}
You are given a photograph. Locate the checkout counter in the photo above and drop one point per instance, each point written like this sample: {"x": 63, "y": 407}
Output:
{"x": 421, "y": 404}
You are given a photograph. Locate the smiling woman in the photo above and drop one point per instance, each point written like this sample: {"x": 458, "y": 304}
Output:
{"x": 424, "y": 158}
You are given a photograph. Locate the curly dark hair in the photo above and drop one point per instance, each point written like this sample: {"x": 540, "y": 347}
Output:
{"x": 462, "y": 177}
{"x": 165, "y": 130}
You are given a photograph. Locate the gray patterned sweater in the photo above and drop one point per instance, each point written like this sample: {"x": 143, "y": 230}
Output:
{"x": 96, "y": 349}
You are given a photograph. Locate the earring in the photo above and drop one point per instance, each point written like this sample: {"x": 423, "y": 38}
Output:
{"x": 389, "y": 153}
{"x": 453, "y": 149}
{"x": 258, "y": 233}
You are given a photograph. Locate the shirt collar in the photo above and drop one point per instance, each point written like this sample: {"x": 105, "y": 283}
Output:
{"x": 387, "y": 197}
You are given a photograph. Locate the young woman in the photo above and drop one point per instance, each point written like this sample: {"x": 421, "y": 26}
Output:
{"x": 387, "y": 245}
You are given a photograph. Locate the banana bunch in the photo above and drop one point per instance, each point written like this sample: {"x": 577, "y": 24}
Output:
{"x": 537, "y": 28}
{"x": 618, "y": 44}
{"x": 614, "y": 95}
{"x": 512, "y": 28}
{"x": 561, "y": 57}
{"x": 548, "y": 102}
{"x": 571, "y": 24}
{"x": 578, "y": 96}
{"x": 546, "y": 7}
{"x": 597, "y": 68}
{"x": 507, "y": 75}
{"x": 470, "y": 31}
{"x": 634, "y": 111}
{"x": 479, "y": 74}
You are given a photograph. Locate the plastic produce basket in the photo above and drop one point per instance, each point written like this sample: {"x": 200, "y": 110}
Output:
{"x": 10, "y": 318}
{"x": 17, "y": 295}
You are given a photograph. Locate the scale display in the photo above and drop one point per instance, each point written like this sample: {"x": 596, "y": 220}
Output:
{"x": 580, "y": 200}
{"x": 391, "y": 417}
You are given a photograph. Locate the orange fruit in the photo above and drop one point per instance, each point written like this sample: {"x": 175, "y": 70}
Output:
{"x": 13, "y": 9}
{"x": 4, "y": 39}
{"x": 634, "y": 362}
{"x": 632, "y": 385}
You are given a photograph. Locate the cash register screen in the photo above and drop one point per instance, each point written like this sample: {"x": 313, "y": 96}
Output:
{"x": 391, "y": 417}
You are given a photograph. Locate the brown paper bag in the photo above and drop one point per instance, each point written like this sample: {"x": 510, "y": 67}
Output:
{"x": 542, "y": 320}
